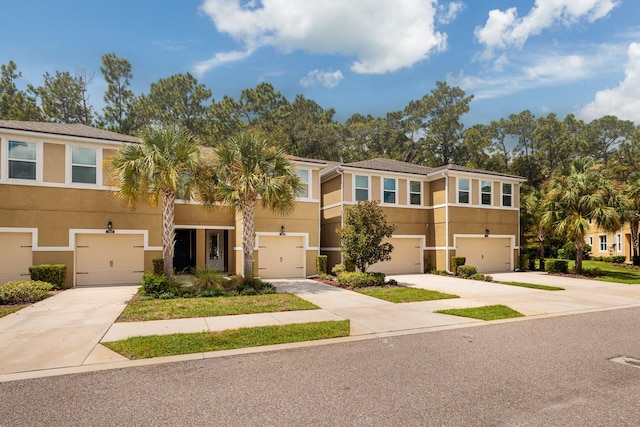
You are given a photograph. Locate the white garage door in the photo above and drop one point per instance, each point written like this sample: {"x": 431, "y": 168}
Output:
{"x": 281, "y": 257}
{"x": 406, "y": 257}
{"x": 15, "y": 256}
{"x": 109, "y": 259}
{"x": 485, "y": 253}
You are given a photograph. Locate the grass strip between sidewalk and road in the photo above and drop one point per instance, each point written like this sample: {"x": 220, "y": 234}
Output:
{"x": 532, "y": 286}
{"x": 182, "y": 308}
{"x": 487, "y": 312}
{"x": 174, "y": 344}
{"x": 405, "y": 294}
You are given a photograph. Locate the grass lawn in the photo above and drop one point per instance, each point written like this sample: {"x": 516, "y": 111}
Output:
{"x": 532, "y": 286}
{"x": 181, "y": 308}
{"x": 611, "y": 273}
{"x": 8, "y": 309}
{"x": 488, "y": 312}
{"x": 168, "y": 345}
{"x": 402, "y": 294}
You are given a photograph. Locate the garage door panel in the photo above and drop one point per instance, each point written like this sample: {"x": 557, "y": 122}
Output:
{"x": 109, "y": 259}
{"x": 486, "y": 254}
{"x": 16, "y": 256}
{"x": 281, "y": 257}
{"x": 406, "y": 257}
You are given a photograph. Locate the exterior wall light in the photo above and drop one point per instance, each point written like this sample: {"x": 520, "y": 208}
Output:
{"x": 110, "y": 228}
{"x": 282, "y": 230}
{"x": 486, "y": 232}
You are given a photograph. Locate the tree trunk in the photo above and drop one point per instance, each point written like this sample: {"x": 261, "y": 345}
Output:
{"x": 541, "y": 251}
{"x": 635, "y": 240}
{"x": 579, "y": 251}
{"x": 168, "y": 230}
{"x": 248, "y": 237}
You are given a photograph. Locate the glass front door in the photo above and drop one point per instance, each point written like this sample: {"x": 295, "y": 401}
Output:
{"x": 215, "y": 249}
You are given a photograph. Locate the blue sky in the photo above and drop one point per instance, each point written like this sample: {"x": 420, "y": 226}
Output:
{"x": 356, "y": 56}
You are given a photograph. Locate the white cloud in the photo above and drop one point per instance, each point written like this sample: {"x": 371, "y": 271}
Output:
{"x": 622, "y": 101}
{"x": 383, "y": 35}
{"x": 328, "y": 79}
{"x": 505, "y": 29}
{"x": 447, "y": 13}
{"x": 219, "y": 59}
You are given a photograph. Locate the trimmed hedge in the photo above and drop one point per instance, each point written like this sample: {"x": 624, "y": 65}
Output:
{"x": 456, "y": 262}
{"x": 616, "y": 259}
{"x": 321, "y": 264}
{"x": 154, "y": 283}
{"x": 24, "y": 291}
{"x": 466, "y": 271}
{"x": 556, "y": 266}
{"x": 158, "y": 265}
{"x": 358, "y": 279}
{"x": 56, "y": 274}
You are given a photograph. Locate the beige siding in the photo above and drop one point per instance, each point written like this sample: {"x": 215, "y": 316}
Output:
{"x": 331, "y": 191}
{"x": 15, "y": 256}
{"x": 54, "y": 164}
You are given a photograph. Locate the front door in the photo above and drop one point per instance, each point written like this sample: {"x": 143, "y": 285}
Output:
{"x": 215, "y": 249}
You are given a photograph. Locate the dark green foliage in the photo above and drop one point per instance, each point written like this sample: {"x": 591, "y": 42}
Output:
{"x": 208, "y": 279}
{"x": 24, "y": 291}
{"x": 524, "y": 261}
{"x": 56, "y": 274}
{"x": 480, "y": 276}
{"x": 158, "y": 266}
{"x": 616, "y": 259}
{"x": 359, "y": 279}
{"x": 592, "y": 272}
{"x": 338, "y": 269}
{"x": 466, "y": 271}
{"x": 321, "y": 264}
{"x": 556, "y": 266}
{"x": 456, "y": 262}
{"x": 365, "y": 226}
{"x": 154, "y": 283}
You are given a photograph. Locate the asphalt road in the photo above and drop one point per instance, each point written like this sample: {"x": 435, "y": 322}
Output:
{"x": 543, "y": 372}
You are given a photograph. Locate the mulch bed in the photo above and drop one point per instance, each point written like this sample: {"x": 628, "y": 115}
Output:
{"x": 338, "y": 285}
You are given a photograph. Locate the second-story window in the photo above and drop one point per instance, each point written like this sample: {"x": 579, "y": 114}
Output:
{"x": 389, "y": 190}
{"x": 362, "y": 188}
{"x": 22, "y": 160}
{"x": 415, "y": 193}
{"x": 304, "y": 177}
{"x": 485, "y": 192}
{"x": 83, "y": 165}
{"x": 507, "y": 194}
{"x": 463, "y": 190}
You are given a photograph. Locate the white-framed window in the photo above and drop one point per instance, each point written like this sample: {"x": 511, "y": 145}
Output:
{"x": 389, "y": 186}
{"x": 361, "y": 188}
{"x": 463, "y": 190}
{"x": 22, "y": 158}
{"x": 603, "y": 242}
{"x": 485, "y": 192}
{"x": 305, "y": 177}
{"x": 619, "y": 242}
{"x": 591, "y": 241}
{"x": 84, "y": 165}
{"x": 415, "y": 193}
{"x": 507, "y": 194}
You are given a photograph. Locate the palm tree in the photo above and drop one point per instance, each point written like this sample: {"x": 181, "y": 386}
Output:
{"x": 575, "y": 200}
{"x": 632, "y": 191}
{"x": 246, "y": 168}
{"x": 533, "y": 209}
{"x": 159, "y": 168}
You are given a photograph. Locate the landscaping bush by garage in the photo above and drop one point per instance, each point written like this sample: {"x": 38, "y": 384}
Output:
{"x": 466, "y": 271}
{"x": 56, "y": 274}
{"x": 556, "y": 266}
{"x": 24, "y": 292}
{"x": 359, "y": 279}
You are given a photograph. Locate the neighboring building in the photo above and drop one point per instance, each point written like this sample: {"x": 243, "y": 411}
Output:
{"x": 56, "y": 207}
{"x": 606, "y": 244}
{"x": 438, "y": 212}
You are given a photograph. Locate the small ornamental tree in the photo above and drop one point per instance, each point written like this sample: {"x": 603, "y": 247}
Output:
{"x": 364, "y": 228}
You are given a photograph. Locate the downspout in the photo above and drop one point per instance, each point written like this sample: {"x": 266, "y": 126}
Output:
{"x": 340, "y": 171}
{"x": 446, "y": 221}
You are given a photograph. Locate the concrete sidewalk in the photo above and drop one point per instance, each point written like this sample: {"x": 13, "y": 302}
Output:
{"x": 63, "y": 333}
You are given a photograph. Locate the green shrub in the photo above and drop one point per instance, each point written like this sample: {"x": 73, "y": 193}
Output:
{"x": 158, "y": 266}
{"x": 466, "y": 271}
{"x": 480, "y": 276}
{"x": 338, "y": 269}
{"x": 456, "y": 262}
{"x": 56, "y": 274}
{"x": 524, "y": 261}
{"x": 207, "y": 279}
{"x": 321, "y": 264}
{"x": 618, "y": 259}
{"x": 24, "y": 291}
{"x": 392, "y": 282}
{"x": 154, "y": 283}
{"x": 592, "y": 272}
{"x": 532, "y": 263}
{"x": 556, "y": 266}
{"x": 357, "y": 279}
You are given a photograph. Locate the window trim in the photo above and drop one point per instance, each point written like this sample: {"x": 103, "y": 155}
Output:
{"x": 308, "y": 183}
{"x": 410, "y": 193}
{"x": 602, "y": 242}
{"x": 394, "y": 191}
{"x": 97, "y": 151}
{"x": 490, "y": 193}
{"x": 619, "y": 243}
{"x": 37, "y": 161}
{"x": 68, "y": 179}
{"x": 503, "y": 194}
{"x": 591, "y": 242}
{"x": 468, "y": 191}
{"x": 356, "y": 188}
